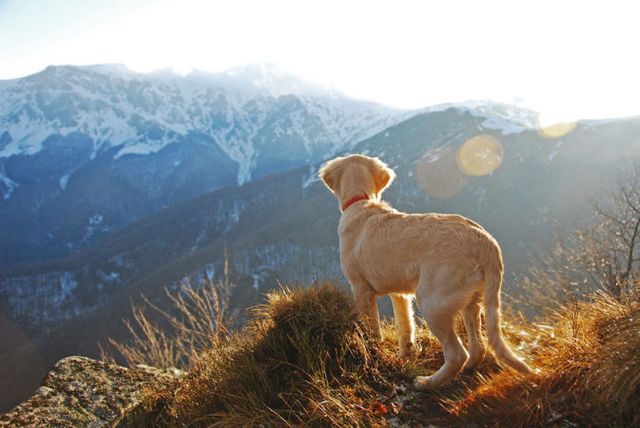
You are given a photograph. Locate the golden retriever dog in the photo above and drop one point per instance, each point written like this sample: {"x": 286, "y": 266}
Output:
{"x": 450, "y": 263}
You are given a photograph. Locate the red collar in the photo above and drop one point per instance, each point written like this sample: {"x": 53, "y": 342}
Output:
{"x": 353, "y": 201}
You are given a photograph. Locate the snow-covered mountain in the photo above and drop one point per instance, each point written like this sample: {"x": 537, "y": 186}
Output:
{"x": 86, "y": 150}
{"x": 491, "y": 115}
{"x": 143, "y": 113}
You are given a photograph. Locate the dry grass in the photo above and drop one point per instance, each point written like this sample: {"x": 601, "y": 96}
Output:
{"x": 305, "y": 360}
{"x": 589, "y": 372}
{"x": 199, "y": 316}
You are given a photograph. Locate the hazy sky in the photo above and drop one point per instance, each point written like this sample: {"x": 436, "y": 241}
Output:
{"x": 566, "y": 59}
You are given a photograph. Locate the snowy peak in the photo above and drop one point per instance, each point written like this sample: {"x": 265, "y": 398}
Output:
{"x": 507, "y": 118}
{"x": 240, "y": 110}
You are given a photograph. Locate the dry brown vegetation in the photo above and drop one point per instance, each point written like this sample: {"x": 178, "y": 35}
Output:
{"x": 305, "y": 360}
{"x": 602, "y": 257}
{"x": 176, "y": 337}
{"x": 588, "y": 366}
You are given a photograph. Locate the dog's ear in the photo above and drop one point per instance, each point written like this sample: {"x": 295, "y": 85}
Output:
{"x": 330, "y": 173}
{"x": 382, "y": 175}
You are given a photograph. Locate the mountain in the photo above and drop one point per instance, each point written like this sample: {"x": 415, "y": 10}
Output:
{"x": 84, "y": 151}
{"x": 283, "y": 227}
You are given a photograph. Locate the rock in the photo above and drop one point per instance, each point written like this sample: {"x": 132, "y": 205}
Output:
{"x": 80, "y": 391}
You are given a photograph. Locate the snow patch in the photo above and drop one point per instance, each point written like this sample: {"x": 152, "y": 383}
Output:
{"x": 139, "y": 149}
{"x": 63, "y": 181}
{"x": 506, "y": 118}
{"x": 256, "y": 282}
{"x": 505, "y": 126}
{"x": 311, "y": 178}
{"x": 554, "y": 153}
{"x": 210, "y": 271}
{"x": 96, "y": 219}
{"x": 9, "y": 185}
{"x": 109, "y": 278}
{"x": 226, "y": 216}
{"x": 94, "y": 223}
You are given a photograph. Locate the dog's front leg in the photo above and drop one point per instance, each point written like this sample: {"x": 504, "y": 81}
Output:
{"x": 405, "y": 326}
{"x": 367, "y": 305}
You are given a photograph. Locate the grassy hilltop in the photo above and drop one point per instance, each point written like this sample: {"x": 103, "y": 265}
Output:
{"x": 305, "y": 359}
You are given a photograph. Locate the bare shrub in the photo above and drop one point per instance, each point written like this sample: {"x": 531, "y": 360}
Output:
{"x": 605, "y": 256}
{"x": 611, "y": 252}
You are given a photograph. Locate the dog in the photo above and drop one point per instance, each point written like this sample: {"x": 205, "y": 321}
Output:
{"x": 449, "y": 263}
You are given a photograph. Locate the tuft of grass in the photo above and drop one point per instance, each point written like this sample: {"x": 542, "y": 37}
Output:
{"x": 304, "y": 359}
{"x": 198, "y": 317}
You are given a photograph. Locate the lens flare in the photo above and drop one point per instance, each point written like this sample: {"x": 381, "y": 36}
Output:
{"x": 556, "y": 130}
{"x": 437, "y": 173}
{"x": 479, "y": 155}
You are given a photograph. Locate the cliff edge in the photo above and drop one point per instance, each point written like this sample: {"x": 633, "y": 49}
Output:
{"x": 80, "y": 391}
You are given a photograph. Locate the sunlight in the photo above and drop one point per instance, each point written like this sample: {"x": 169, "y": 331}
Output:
{"x": 479, "y": 155}
{"x": 215, "y": 36}
{"x": 556, "y": 130}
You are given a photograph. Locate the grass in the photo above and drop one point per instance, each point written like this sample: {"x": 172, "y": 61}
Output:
{"x": 198, "y": 316}
{"x": 306, "y": 360}
{"x": 303, "y": 359}
{"x": 588, "y": 361}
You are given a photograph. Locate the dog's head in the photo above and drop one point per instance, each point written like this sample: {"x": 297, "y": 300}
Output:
{"x": 355, "y": 175}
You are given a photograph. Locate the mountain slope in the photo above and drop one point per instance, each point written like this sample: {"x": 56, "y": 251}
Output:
{"x": 85, "y": 151}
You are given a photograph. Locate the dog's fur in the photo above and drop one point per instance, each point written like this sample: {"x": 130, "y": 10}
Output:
{"x": 450, "y": 263}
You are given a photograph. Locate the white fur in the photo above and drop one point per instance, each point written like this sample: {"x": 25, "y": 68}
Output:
{"x": 450, "y": 263}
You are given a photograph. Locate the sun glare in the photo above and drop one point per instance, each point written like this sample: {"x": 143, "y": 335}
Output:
{"x": 479, "y": 155}
{"x": 556, "y": 130}
{"x": 438, "y": 175}
{"x": 328, "y": 43}
{"x": 444, "y": 171}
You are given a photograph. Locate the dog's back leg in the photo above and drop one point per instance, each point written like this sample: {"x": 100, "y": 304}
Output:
{"x": 441, "y": 322}
{"x": 405, "y": 325}
{"x": 440, "y": 307}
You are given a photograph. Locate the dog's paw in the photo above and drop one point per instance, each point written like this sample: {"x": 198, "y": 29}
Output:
{"x": 424, "y": 383}
{"x": 475, "y": 359}
{"x": 471, "y": 366}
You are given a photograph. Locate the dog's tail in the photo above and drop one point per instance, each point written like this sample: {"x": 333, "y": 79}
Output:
{"x": 492, "y": 286}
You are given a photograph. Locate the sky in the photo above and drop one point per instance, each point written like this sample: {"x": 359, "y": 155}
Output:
{"x": 565, "y": 59}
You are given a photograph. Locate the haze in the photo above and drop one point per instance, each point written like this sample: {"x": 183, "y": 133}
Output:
{"x": 567, "y": 60}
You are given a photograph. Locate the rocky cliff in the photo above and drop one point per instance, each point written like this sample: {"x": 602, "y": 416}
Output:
{"x": 80, "y": 391}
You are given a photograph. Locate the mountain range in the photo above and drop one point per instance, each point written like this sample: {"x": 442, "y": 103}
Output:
{"x": 144, "y": 208}
{"x": 85, "y": 151}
